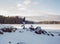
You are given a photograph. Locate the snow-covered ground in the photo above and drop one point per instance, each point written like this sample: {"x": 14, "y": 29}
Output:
{"x": 22, "y": 36}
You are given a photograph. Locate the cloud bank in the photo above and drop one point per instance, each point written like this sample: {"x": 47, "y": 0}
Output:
{"x": 26, "y": 8}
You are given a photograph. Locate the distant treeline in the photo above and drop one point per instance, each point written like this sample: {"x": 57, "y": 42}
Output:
{"x": 19, "y": 20}
{"x": 13, "y": 20}
{"x": 48, "y": 22}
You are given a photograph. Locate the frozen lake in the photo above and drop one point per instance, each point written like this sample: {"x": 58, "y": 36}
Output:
{"x": 43, "y": 26}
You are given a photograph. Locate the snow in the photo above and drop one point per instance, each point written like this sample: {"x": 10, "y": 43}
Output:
{"x": 23, "y": 36}
{"x": 5, "y": 26}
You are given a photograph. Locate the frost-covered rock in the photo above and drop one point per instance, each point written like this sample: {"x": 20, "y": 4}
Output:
{"x": 31, "y": 28}
{"x": 38, "y": 30}
{"x": 7, "y": 28}
{"x": 58, "y": 34}
{"x": 51, "y": 34}
{"x": 1, "y": 32}
{"x": 28, "y": 37}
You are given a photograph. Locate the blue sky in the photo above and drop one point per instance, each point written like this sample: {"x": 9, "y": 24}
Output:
{"x": 29, "y": 7}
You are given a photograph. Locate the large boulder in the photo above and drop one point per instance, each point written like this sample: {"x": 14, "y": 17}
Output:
{"x": 58, "y": 34}
{"x": 52, "y": 34}
{"x": 8, "y": 29}
{"x": 32, "y": 28}
{"x": 1, "y": 32}
{"x": 38, "y": 30}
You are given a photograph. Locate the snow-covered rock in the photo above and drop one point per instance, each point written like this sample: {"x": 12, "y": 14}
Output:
{"x": 7, "y": 28}
{"x": 22, "y": 36}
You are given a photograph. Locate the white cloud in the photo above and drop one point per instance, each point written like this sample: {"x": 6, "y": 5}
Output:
{"x": 24, "y": 9}
{"x": 44, "y": 12}
{"x": 28, "y": 12}
{"x": 19, "y": 5}
{"x": 35, "y": 3}
{"x": 4, "y": 12}
{"x": 24, "y": 5}
{"x": 27, "y": 2}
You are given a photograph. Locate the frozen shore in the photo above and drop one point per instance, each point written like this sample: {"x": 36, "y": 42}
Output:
{"x": 24, "y": 36}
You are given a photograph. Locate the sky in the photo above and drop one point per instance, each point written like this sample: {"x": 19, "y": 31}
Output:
{"x": 29, "y": 7}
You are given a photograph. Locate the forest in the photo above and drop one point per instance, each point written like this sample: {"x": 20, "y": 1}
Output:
{"x": 13, "y": 20}
{"x": 19, "y": 20}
